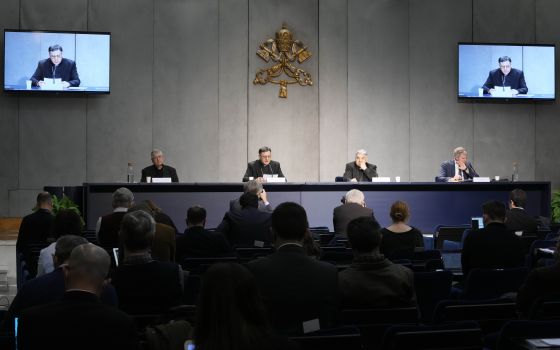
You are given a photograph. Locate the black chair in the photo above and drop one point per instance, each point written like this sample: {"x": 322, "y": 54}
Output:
{"x": 247, "y": 254}
{"x": 546, "y": 308}
{"x": 448, "y": 233}
{"x": 337, "y": 255}
{"x": 493, "y": 283}
{"x": 534, "y": 253}
{"x": 362, "y": 317}
{"x": 329, "y": 342}
{"x": 422, "y": 260}
{"x": 200, "y": 265}
{"x": 431, "y": 288}
{"x": 513, "y": 334}
{"x": 90, "y": 236}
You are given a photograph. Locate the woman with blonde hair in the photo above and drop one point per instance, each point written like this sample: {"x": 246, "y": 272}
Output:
{"x": 399, "y": 236}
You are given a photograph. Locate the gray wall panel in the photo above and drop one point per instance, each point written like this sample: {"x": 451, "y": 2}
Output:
{"x": 186, "y": 58}
{"x": 234, "y": 79}
{"x": 333, "y": 88}
{"x": 378, "y": 84}
{"x": 493, "y": 21}
{"x": 58, "y": 15}
{"x": 438, "y": 123}
{"x": 120, "y": 124}
{"x": 289, "y": 126}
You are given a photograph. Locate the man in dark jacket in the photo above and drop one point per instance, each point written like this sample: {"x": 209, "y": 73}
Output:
{"x": 56, "y": 67}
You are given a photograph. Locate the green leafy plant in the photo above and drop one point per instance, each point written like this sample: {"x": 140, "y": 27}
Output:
{"x": 64, "y": 203}
{"x": 556, "y": 206}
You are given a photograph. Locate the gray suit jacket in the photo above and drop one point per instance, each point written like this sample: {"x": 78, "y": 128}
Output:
{"x": 447, "y": 171}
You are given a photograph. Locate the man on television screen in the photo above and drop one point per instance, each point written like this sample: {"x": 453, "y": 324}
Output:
{"x": 505, "y": 76}
{"x": 56, "y": 67}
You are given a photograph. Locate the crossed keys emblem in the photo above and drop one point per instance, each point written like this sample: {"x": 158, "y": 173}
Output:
{"x": 283, "y": 51}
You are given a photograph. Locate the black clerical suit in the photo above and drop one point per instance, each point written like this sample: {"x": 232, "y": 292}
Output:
{"x": 165, "y": 171}
{"x": 515, "y": 79}
{"x": 257, "y": 169}
{"x": 66, "y": 71}
{"x": 353, "y": 171}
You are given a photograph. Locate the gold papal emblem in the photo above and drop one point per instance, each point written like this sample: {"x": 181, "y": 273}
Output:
{"x": 284, "y": 51}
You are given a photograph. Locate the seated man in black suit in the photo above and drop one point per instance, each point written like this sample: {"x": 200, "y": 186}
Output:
{"x": 247, "y": 227}
{"x": 517, "y": 218}
{"x": 50, "y": 287}
{"x": 158, "y": 169}
{"x": 457, "y": 169}
{"x": 143, "y": 284}
{"x": 373, "y": 281}
{"x": 494, "y": 246}
{"x": 198, "y": 242}
{"x": 107, "y": 228}
{"x": 354, "y": 206}
{"x": 35, "y": 228}
{"x": 255, "y": 187}
{"x": 79, "y": 320}
{"x": 360, "y": 170}
{"x": 295, "y": 288}
{"x": 505, "y": 76}
{"x": 262, "y": 167}
{"x": 56, "y": 67}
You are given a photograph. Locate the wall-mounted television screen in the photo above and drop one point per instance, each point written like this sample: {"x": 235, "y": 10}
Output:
{"x": 60, "y": 62}
{"x": 506, "y": 71}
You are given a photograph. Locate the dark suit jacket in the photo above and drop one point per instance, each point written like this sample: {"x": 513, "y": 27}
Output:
{"x": 492, "y": 247}
{"x": 257, "y": 169}
{"x": 347, "y": 212}
{"x": 108, "y": 235}
{"x": 78, "y": 321}
{"x": 66, "y": 71}
{"x": 198, "y": 242}
{"x": 35, "y": 228}
{"x": 541, "y": 282}
{"x": 515, "y": 79}
{"x": 296, "y": 288}
{"x": 166, "y": 171}
{"x": 517, "y": 219}
{"x": 246, "y": 226}
{"x": 352, "y": 171}
{"x": 235, "y": 206}
{"x": 447, "y": 171}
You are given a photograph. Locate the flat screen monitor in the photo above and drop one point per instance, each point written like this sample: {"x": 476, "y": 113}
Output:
{"x": 60, "y": 62}
{"x": 506, "y": 71}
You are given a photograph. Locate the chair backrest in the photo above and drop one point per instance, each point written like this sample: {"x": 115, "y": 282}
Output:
{"x": 431, "y": 288}
{"x": 448, "y": 233}
{"x": 493, "y": 283}
{"x": 515, "y": 330}
{"x": 200, "y": 265}
{"x": 329, "y": 342}
{"x": 464, "y": 336}
{"x": 359, "y": 317}
{"x": 547, "y": 308}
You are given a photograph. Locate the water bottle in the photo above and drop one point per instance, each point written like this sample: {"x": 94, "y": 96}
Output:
{"x": 130, "y": 174}
{"x": 515, "y": 174}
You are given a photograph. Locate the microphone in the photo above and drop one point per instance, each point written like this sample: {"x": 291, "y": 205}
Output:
{"x": 270, "y": 167}
{"x": 53, "y": 72}
{"x": 503, "y": 83}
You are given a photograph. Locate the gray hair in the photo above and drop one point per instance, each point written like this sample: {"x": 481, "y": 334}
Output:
{"x": 137, "y": 230}
{"x": 354, "y": 196}
{"x": 458, "y": 151}
{"x": 252, "y": 186}
{"x": 155, "y": 152}
{"x": 65, "y": 244}
{"x": 122, "y": 197}
{"x": 264, "y": 149}
{"x": 361, "y": 151}
{"x": 89, "y": 261}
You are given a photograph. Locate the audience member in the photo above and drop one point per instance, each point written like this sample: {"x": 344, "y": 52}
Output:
{"x": 295, "y": 287}
{"x": 163, "y": 244}
{"x": 107, "y": 229}
{"x": 542, "y": 282}
{"x": 143, "y": 284}
{"x": 34, "y": 230}
{"x": 50, "y": 287}
{"x": 66, "y": 222}
{"x": 354, "y": 206}
{"x": 517, "y": 219}
{"x": 159, "y": 216}
{"x": 252, "y": 186}
{"x": 197, "y": 242}
{"x": 79, "y": 320}
{"x": 230, "y": 313}
{"x": 494, "y": 246}
{"x": 372, "y": 281}
{"x": 399, "y": 236}
{"x": 247, "y": 227}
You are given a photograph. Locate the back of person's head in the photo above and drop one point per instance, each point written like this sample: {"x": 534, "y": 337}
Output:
{"x": 88, "y": 266}
{"x": 364, "y": 234}
{"x": 64, "y": 246}
{"x": 494, "y": 210}
{"x": 249, "y": 200}
{"x": 143, "y": 207}
{"x": 152, "y": 205}
{"x": 122, "y": 197}
{"x": 230, "y": 312}
{"x": 399, "y": 211}
{"x": 44, "y": 198}
{"x": 67, "y": 222}
{"x": 289, "y": 222}
{"x": 252, "y": 186}
{"x": 196, "y": 215}
{"x": 354, "y": 196}
{"x": 137, "y": 231}
{"x": 518, "y": 197}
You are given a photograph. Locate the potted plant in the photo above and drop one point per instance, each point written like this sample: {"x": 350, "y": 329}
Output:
{"x": 555, "y": 207}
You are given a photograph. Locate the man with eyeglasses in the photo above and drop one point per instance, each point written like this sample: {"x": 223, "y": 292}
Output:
{"x": 505, "y": 76}
{"x": 263, "y": 167}
{"x": 56, "y": 67}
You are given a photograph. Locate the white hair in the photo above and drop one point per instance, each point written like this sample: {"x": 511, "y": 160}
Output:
{"x": 155, "y": 153}
{"x": 361, "y": 151}
{"x": 458, "y": 151}
{"x": 354, "y": 196}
